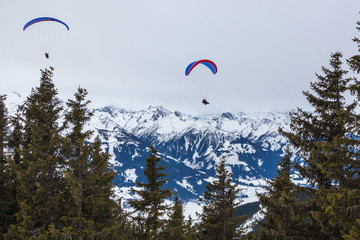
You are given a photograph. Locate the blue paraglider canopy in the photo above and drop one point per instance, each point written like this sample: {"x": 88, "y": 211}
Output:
{"x": 44, "y": 19}
{"x": 208, "y": 63}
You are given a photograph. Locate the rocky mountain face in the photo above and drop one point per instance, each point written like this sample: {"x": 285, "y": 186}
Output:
{"x": 189, "y": 146}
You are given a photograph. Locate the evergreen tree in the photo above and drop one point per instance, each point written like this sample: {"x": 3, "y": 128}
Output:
{"x": 76, "y": 151}
{"x": 3, "y": 130}
{"x": 354, "y": 232}
{"x": 8, "y": 202}
{"x": 175, "y": 225}
{"x": 323, "y": 137}
{"x": 354, "y": 61}
{"x": 40, "y": 177}
{"x": 324, "y": 140}
{"x": 122, "y": 230}
{"x": 14, "y": 143}
{"x": 354, "y": 191}
{"x": 218, "y": 220}
{"x": 3, "y": 175}
{"x": 150, "y": 206}
{"x": 190, "y": 230}
{"x": 6, "y": 182}
{"x": 90, "y": 210}
{"x": 101, "y": 206}
{"x": 285, "y": 214}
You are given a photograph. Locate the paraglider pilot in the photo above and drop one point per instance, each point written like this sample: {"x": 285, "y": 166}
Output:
{"x": 205, "y": 102}
{"x": 44, "y": 19}
{"x": 208, "y": 63}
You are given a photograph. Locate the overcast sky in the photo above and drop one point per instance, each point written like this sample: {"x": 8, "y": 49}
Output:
{"x": 133, "y": 54}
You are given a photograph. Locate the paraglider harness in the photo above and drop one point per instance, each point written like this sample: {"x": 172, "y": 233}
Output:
{"x": 47, "y": 55}
{"x": 205, "y": 102}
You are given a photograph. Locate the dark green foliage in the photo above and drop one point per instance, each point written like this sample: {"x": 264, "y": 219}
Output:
{"x": 150, "y": 206}
{"x": 354, "y": 232}
{"x": 352, "y": 194}
{"x": 4, "y": 131}
{"x": 59, "y": 186}
{"x": 285, "y": 215}
{"x": 14, "y": 142}
{"x": 99, "y": 194}
{"x": 218, "y": 220}
{"x": 322, "y": 137}
{"x": 190, "y": 231}
{"x": 325, "y": 141}
{"x": 3, "y": 173}
{"x": 175, "y": 225}
{"x": 76, "y": 151}
{"x": 39, "y": 176}
{"x": 8, "y": 206}
{"x": 90, "y": 210}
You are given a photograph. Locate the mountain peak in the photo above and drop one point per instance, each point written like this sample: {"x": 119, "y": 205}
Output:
{"x": 159, "y": 112}
{"x": 228, "y": 115}
{"x": 158, "y": 108}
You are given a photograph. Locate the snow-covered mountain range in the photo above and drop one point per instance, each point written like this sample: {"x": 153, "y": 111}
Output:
{"x": 189, "y": 146}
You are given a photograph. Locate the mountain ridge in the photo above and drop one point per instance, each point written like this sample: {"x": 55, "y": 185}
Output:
{"x": 189, "y": 146}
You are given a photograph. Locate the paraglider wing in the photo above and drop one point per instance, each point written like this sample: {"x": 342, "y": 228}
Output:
{"x": 210, "y": 64}
{"x": 44, "y": 19}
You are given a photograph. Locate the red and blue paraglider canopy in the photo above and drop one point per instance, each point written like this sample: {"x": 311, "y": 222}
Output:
{"x": 44, "y": 19}
{"x": 210, "y": 64}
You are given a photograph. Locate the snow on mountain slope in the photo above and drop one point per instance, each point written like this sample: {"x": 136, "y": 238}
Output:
{"x": 189, "y": 146}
